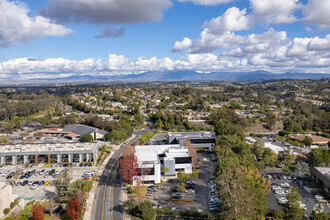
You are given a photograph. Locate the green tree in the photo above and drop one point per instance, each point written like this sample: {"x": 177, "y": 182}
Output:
{"x": 308, "y": 141}
{"x": 159, "y": 123}
{"x": 182, "y": 176}
{"x": 293, "y": 209}
{"x": 270, "y": 157}
{"x": 286, "y": 157}
{"x": 146, "y": 211}
{"x": 87, "y": 138}
{"x": 259, "y": 148}
{"x": 139, "y": 119}
{"x": 5, "y": 141}
{"x": 319, "y": 156}
{"x": 164, "y": 170}
{"x": 115, "y": 136}
{"x": 302, "y": 169}
{"x": 63, "y": 189}
{"x": 319, "y": 215}
{"x": 181, "y": 187}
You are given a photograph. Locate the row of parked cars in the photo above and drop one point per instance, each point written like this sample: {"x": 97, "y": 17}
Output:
{"x": 84, "y": 164}
{"x": 214, "y": 199}
{"x": 43, "y": 173}
{"x": 283, "y": 189}
{"x": 282, "y": 176}
{"x": 189, "y": 188}
{"x": 33, "y": 184}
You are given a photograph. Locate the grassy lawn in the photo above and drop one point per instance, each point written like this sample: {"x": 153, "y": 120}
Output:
{"x": 47, "y": 165}
{"x": 26, "y": 211}
{"x": 133, "y": 191}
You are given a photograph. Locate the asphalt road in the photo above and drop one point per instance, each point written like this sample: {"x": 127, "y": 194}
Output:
{"x": 107, "y": 204}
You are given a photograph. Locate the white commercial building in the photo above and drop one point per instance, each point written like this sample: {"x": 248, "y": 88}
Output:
{"x": 151, "y": 158}
{"x": 6, "y": 197}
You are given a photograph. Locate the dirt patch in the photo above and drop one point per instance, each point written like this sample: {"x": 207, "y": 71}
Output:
{"x": 259, "y": 128}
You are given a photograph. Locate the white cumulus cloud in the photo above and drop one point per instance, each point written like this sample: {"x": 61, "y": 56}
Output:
{"x": 317, "y": 12}
{"x": 232, "y": 20}
{"x": 17, "y": 26}
{"x": 319, "y": 44}
{"x": 275, "y": 11}
{"x": 207, "y": 2}
{"x": 218, "y": 32}
{"x": 180, "y": 45}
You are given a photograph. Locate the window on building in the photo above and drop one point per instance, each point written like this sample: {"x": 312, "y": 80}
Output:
{"x": 146, "y": 171}
{"x": 179, "y": 160}
{"x": 202, "y": 141}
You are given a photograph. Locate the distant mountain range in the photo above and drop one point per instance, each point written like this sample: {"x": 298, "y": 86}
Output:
{"x": 175, "y": 76}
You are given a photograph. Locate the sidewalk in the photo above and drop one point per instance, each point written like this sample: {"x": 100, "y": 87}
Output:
{"x": 92, "y": 194}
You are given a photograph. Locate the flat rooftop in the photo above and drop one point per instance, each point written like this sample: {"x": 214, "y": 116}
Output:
{"x": 37, "y": 148}
{"x": 324, "y": 170}
{"x": 151, "y": 152}
{"x": 193, "y": 135}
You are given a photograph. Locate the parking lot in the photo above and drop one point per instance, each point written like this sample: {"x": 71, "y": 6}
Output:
{"x": 42, "y": 191}
{"x": 202, "y": 189}
{"x": 281, "y": 185}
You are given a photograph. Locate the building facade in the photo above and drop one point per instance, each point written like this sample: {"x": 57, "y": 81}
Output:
{"x": 204, "y": 139}
{"x": 151, "y": 159}
{"x": 321, "y": 176}
{"x": 48, "y": 153}
{"x": 6, "y": 197}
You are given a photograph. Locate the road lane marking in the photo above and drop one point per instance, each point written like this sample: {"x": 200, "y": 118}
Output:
{"x": 113, "y": 184}
{"x": 105, "y": 188}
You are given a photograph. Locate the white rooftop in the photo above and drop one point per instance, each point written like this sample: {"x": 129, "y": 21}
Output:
{"x": 274, "y": 147}
{"x": 28, "y": 148}
{"x": 151, "y": 152}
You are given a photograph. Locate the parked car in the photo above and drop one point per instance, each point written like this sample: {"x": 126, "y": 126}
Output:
{"x": 302, "y": 205}
{"x": 191, "y": 182}
{"x": 175, "y": 189}
{"x": 190, "y": 186}
{"x": 25, "y": 182}
{"x": 28, "y": 176}
{"x": 9, "y": 177}
{"x": 34, "y": 186}
{"x": 279, "y": 192}
{"x": 42, "y": 182}
{"x": 152, "y": 189}
{"x": 47, "y": 183}
{"x": 190, "y": 191}
{"x": 215, "y": 209}
{"x": 319, "y": 198}
{"x": 177, "y": 196}
{"x": 18, "y": 183}
{"x": 42, "y": 172}
{"x": 282, "y": 200}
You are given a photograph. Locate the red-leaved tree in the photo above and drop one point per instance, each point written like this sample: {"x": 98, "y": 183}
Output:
{"x": 128, "y": 165}
{"x": 37, "y": 212}
{"x": 192, "y": 151}
{"x": 73, "y": 209}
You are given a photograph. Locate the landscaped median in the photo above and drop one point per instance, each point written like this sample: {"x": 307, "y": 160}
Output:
{"x": 181, "y": 200}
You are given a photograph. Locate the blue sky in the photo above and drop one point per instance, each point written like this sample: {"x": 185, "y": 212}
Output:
{"x": 57, "y": 38}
